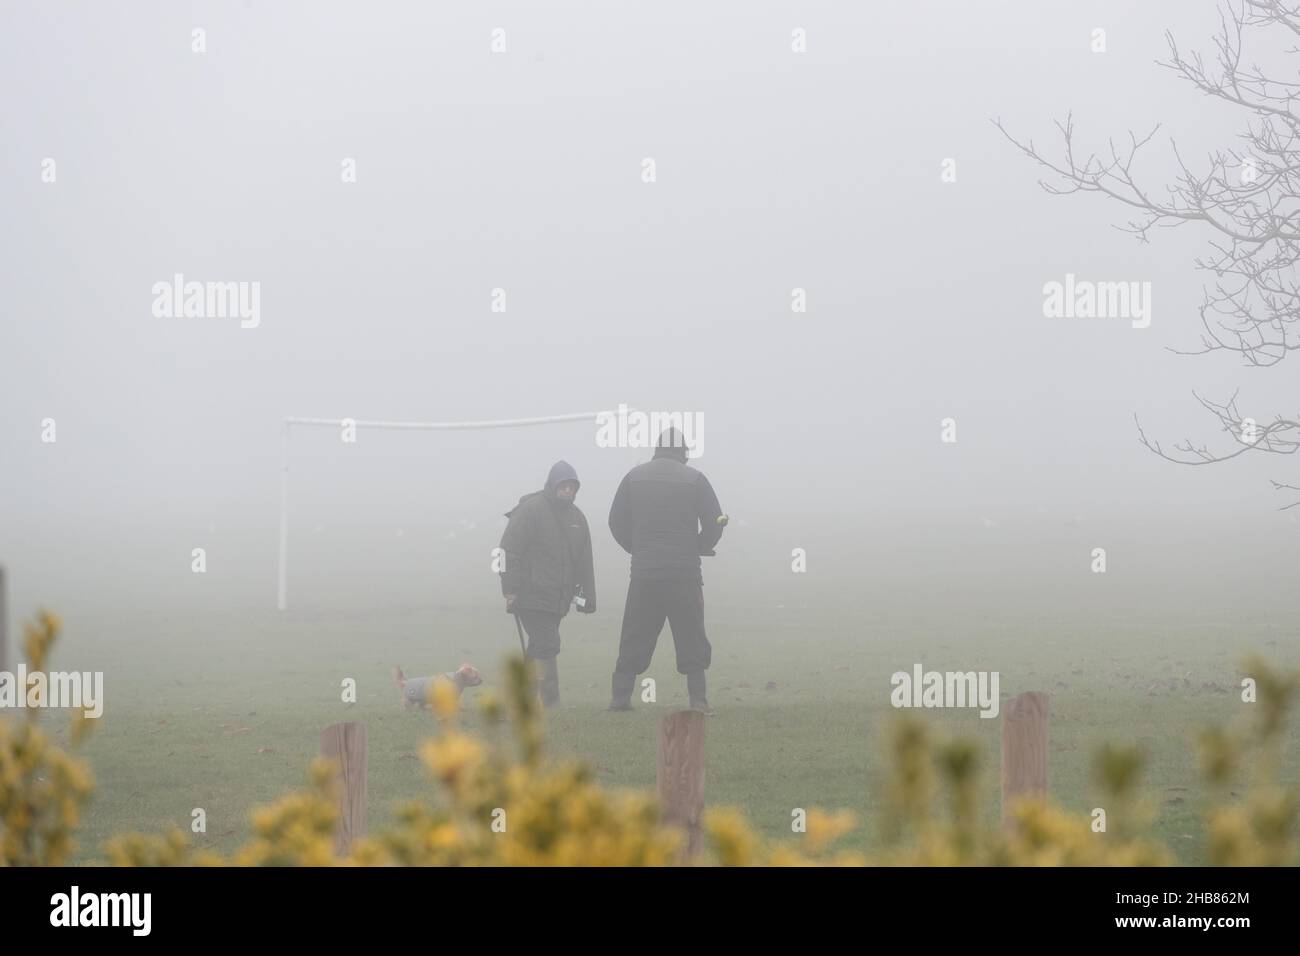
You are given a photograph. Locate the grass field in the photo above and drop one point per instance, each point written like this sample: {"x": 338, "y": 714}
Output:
{"x": 223, "y": 711}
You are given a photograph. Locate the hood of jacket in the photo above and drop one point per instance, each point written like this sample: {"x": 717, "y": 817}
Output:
{"x": 560, "y": 471}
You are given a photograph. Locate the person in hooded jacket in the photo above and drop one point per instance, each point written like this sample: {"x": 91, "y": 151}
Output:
{"x": 547, "y": 564}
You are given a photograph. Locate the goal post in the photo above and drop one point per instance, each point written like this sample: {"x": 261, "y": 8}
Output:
{"x": 290, "y": 423}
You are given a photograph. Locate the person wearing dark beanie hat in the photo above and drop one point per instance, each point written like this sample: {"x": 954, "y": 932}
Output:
{"x": 671, "y": 444}
{"x": 665, "y": 515}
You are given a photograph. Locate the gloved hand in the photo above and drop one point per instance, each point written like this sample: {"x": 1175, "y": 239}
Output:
{"x": 588, "y": 608}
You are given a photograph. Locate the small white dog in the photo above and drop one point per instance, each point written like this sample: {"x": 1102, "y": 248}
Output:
{"x": 415, "y": 691}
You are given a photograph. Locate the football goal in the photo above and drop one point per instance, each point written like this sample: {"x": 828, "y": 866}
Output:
{"x": 346, "y": 426}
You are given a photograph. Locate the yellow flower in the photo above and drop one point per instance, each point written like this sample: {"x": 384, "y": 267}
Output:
{"x": 734, "y": 841}
{"x": 443, "y": 698}
{"x": 825, "y": 828}
{"x": 452, "y": 756}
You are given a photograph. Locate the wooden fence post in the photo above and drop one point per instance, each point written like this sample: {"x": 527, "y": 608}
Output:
{"x": 345, "y": 744}
{"x": 681, "y": 774}
{"x": 1024, "y": 749}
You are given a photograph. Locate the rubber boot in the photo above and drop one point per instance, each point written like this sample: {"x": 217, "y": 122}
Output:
{"x": 621, "y": 687}
{"x": 549, "y": 681}
{"x": 695, "y": 687}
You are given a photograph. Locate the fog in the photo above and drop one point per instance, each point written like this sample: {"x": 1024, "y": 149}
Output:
{"x": 523, "y": 171}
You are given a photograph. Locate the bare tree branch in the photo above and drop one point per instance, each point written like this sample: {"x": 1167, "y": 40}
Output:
{"x": 1248, "y": 197}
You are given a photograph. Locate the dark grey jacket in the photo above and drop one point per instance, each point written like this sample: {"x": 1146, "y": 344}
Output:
{"x": 547, "y": 547}
{"x": 665, "y": 515}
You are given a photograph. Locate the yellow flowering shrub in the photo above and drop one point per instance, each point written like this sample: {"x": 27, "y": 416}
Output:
{"x": 503, "y": 803}
{"x": 42, "y": 788}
